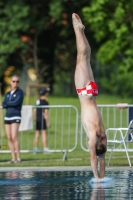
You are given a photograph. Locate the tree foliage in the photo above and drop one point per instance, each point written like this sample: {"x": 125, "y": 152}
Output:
{"x": 40, "y": 34}
{"x": 13, "y": 19}
{"x": 112, "y": 24}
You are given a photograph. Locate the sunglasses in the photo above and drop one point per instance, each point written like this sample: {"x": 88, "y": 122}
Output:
{"x": 15, "y": 81}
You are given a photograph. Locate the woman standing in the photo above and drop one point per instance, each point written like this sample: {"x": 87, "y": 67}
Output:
{"x": 13, "y": 104}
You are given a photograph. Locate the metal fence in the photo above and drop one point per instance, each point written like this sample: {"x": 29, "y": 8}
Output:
{"x": 114, "y": 116}
{"x": 62, "y": 135}
{"x": 65, "y": 127}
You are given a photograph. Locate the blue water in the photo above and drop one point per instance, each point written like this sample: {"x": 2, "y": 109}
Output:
{"x": 69, "y": 185}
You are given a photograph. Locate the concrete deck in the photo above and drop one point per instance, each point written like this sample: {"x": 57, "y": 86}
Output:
{"x": 63, "y": 168}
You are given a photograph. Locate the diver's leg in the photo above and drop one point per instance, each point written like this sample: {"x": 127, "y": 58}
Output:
{"x": 83, "y": 72}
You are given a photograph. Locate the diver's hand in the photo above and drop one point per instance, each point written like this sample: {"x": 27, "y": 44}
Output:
{"x": 97, "y": 180}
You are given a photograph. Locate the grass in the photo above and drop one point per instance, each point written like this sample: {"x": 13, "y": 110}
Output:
{"x": 78, "y": 157}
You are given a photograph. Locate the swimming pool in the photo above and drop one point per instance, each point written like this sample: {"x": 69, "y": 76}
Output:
{"x": 65, "y": 185}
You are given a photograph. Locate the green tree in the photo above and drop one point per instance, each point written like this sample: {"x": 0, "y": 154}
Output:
{"x": 13, "y": 19}
{"x": 112, "y": 24}
{"x": 54, "y": 41}
{"x": 40, "y": 35}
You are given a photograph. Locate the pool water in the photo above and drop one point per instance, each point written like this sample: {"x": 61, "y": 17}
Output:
{"x": 65, "y": 185}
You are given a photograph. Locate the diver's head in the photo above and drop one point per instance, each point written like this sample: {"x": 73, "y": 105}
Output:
{"x": 100, "y": 149}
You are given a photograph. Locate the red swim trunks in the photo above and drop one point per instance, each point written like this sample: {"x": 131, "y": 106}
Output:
{"x": 89, "y": 90}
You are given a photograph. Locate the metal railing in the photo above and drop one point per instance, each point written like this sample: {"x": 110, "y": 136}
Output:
{"x": 62, "y": 135}
{"x": 114, "y": 116}
{"x": 64, "y": 128}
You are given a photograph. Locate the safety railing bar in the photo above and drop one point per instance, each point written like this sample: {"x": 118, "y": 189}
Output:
{"x": 76, "y": 129}
{"x": 112, "y": 105}
{"x": 55, "y": 128}
{"x": 56, "y": 106}
{"x": 48, "y": 129}
{"x": 62, "y": 129}
{"x": 53, "y": 106}
{"x": 68, "y": 132}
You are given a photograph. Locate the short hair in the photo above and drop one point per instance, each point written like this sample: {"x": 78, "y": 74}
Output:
{"x": 100, "y": 149}
{"x": 14, "y": 76}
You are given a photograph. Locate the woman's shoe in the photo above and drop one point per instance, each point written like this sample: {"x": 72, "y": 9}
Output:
{"x": 12, "y": 162}
{"x": 19, "y": 161}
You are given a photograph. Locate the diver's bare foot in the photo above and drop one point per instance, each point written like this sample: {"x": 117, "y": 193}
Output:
{"x": 77, "y": 23}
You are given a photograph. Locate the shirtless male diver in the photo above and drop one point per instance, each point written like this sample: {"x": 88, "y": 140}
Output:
{"x": 87, "y": 91}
